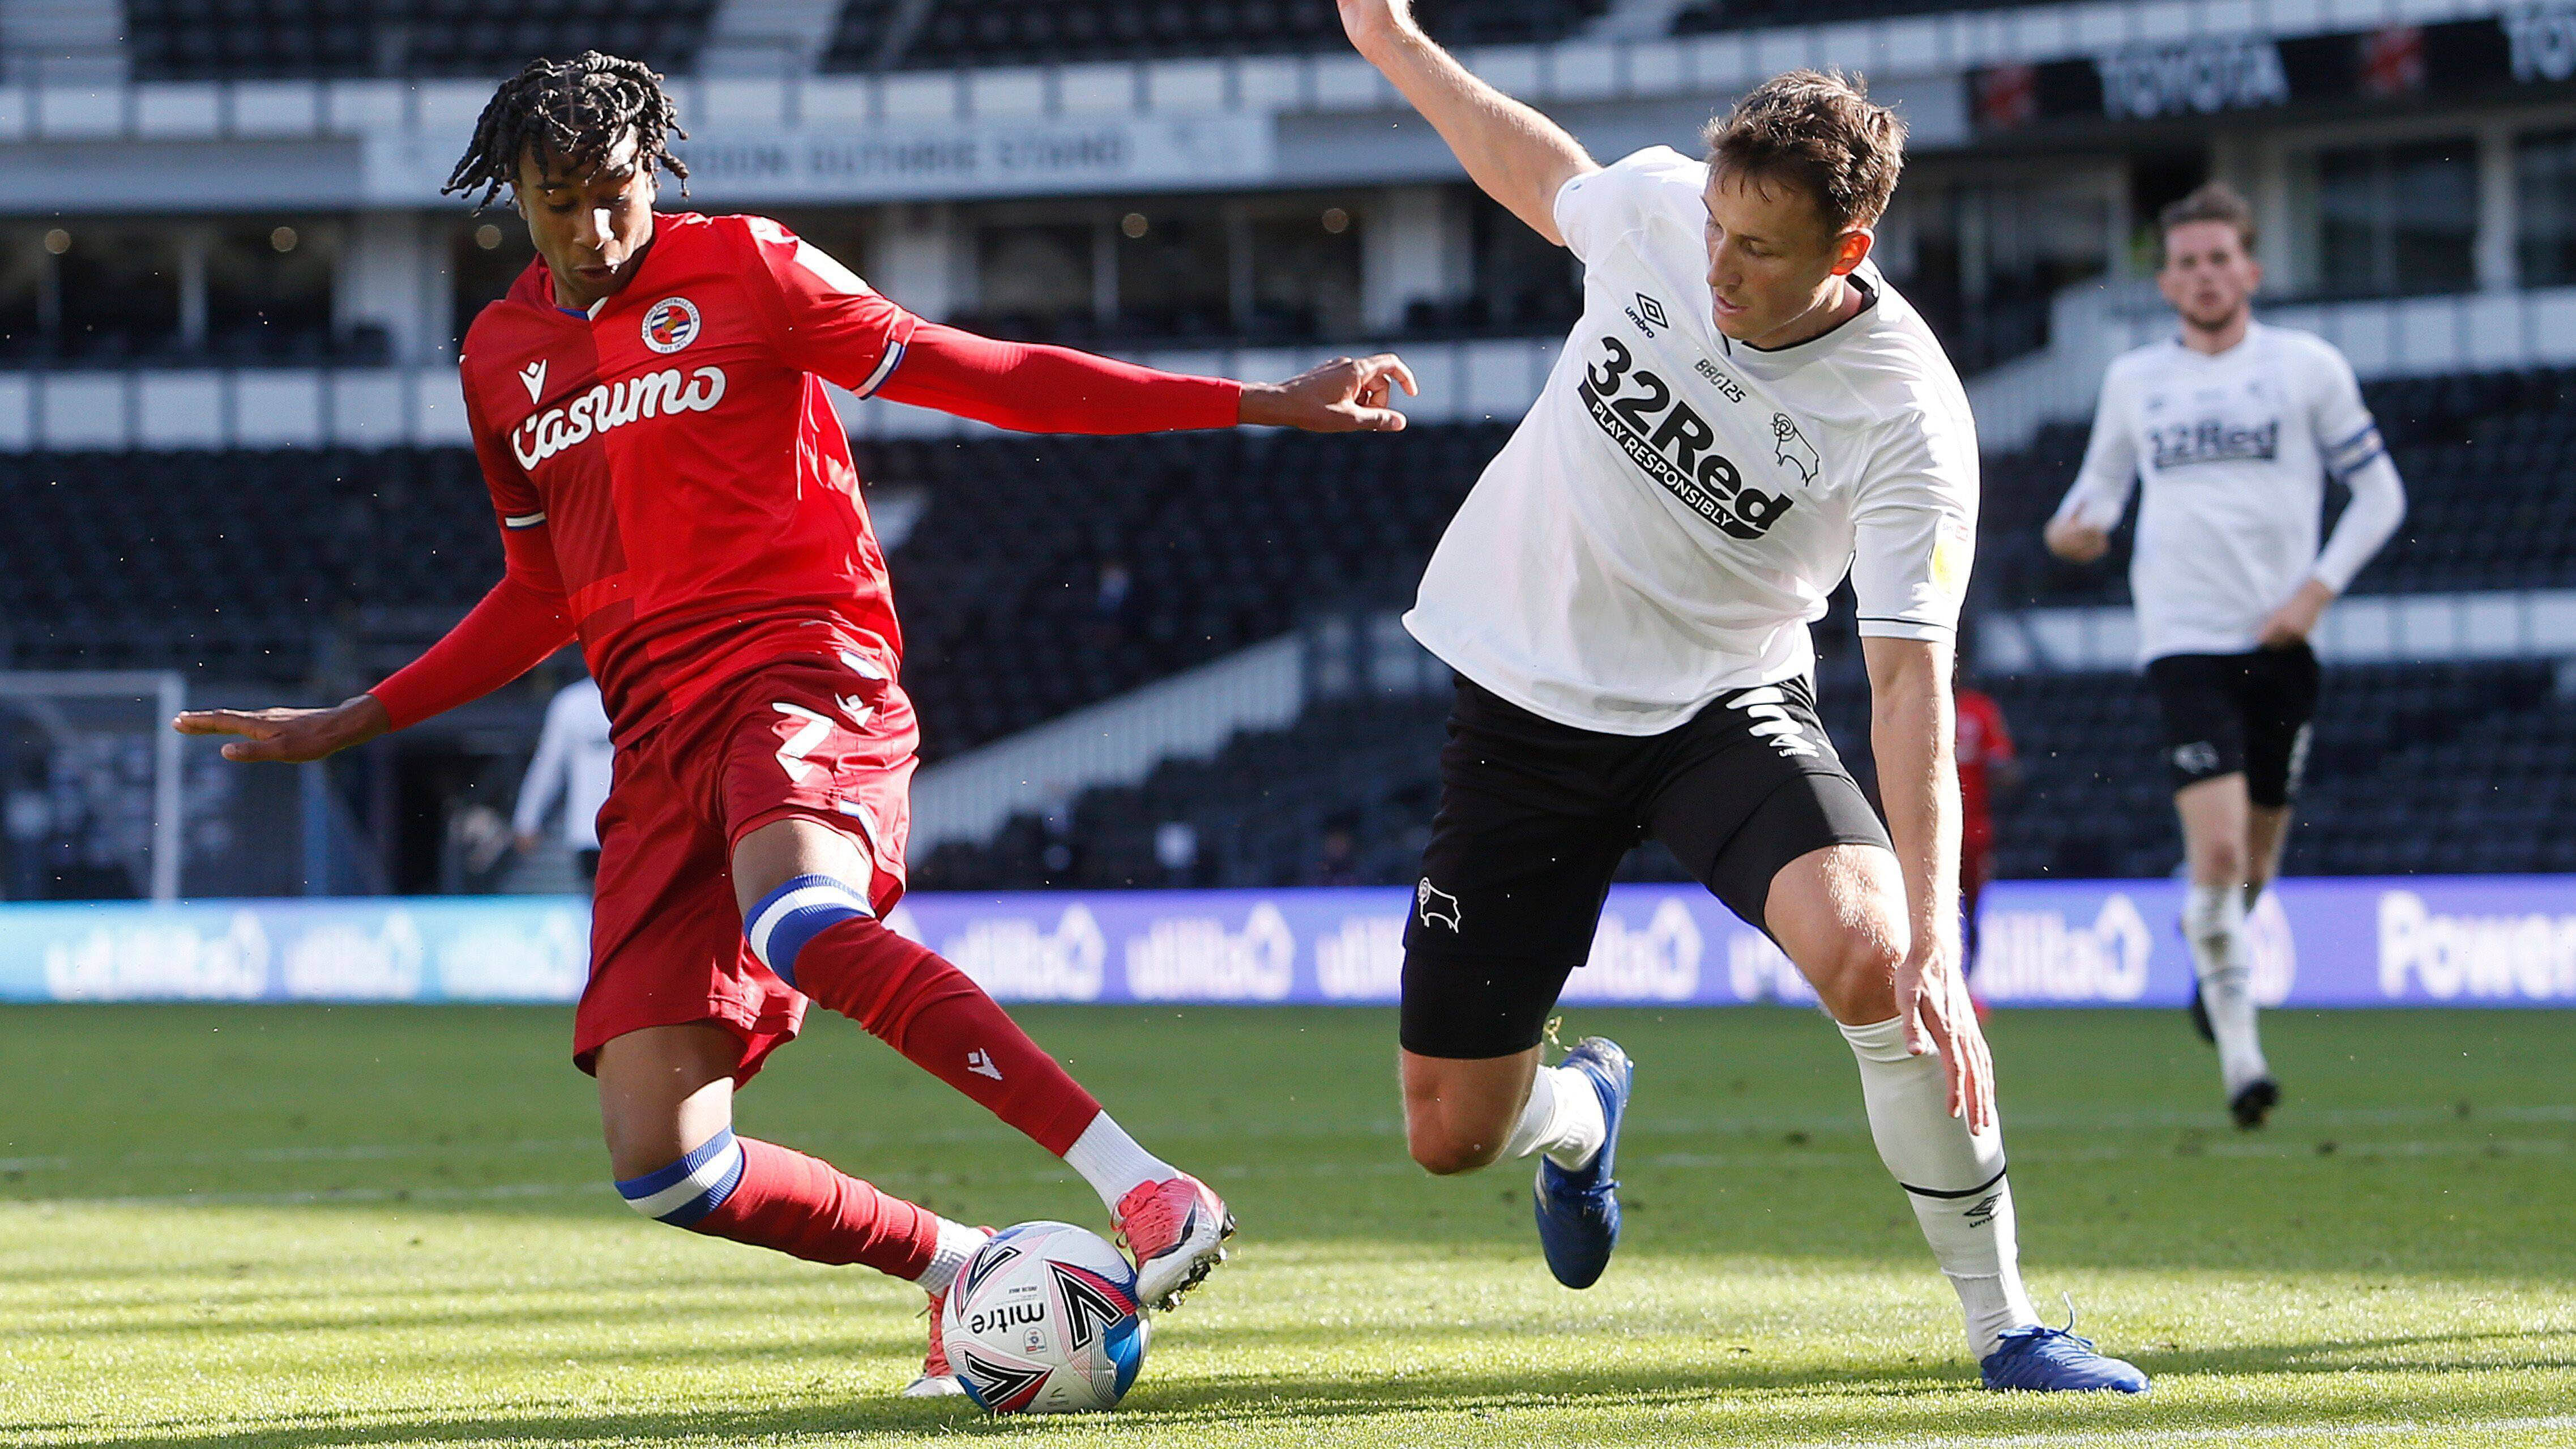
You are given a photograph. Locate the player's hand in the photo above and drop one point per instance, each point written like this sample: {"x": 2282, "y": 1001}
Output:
{"x": 2294, "y": 621}
{"x": 290, "y": 736}
{"x": 1371, "y": 22}
{"x": 1938, "y": 1016}
{"x": 1345, "y": 395}
{"x": 2075, "y": 542}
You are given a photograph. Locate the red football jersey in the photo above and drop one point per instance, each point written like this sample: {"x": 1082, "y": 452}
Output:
{"x": 1983, "y": 741}
{"x": 678, "y": 448}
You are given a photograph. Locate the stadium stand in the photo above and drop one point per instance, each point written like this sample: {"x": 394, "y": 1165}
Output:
{"x": 1132, "y": 559}
{"x": 884, "y": 34}
{"x": 1223, "y": 540}
{"x": 282, "y": 39}
{"x": 2415, "y": 768}
{"x": 231, "y": 566}
{"x": 1137, "y": 557}
{"x": 1706, "y": 16}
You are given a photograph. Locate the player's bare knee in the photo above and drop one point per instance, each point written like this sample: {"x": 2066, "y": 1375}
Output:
{"x": 1856, "y": 979}
{"x": 1444, "y": 1153}
{"x": 2218, "y": 862}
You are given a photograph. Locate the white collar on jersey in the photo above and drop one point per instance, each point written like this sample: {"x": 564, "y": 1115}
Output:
{"x": 1777, "y": 361}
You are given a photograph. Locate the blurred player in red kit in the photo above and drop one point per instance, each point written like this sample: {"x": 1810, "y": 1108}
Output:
{"x": 675, "y": 491}
{"x": 1987, "y": 769}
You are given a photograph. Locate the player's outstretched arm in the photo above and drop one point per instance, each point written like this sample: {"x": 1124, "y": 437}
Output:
{"x": 1032, "y": 388}
{"x": 517, "y": 624}
{"x": 1911, "y": 732}
{"x": 1519, "y": 157}
{"x": 290, "y": 736}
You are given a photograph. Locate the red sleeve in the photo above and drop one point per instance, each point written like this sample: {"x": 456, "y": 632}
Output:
{"x": 2002, "y": 747}
{"x": 519, "y": 623}
{"x": 1034, "y": 389}
{"x": 826, "y": 321}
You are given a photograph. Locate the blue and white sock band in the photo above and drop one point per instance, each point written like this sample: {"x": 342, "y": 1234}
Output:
{"x": 788, "y": 917}
{"x": 690, "y": 1188}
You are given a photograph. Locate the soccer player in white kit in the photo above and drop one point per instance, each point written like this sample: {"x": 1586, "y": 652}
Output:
{"x": 1745, "y": 413}
{"x": 2234, "y": 426}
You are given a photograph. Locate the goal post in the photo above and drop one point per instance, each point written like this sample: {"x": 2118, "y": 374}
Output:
{"x": 94, "y": 725}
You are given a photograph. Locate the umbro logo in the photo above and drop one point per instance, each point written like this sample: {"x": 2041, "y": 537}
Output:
{"x": 980, "y": 1062}
{"x": 533, "y": 378}
{"x": 1648, "y": 314}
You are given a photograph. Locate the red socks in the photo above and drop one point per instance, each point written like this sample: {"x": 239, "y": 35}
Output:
{"x": 933, "y": 1013}
{"x": 805, "y": 1207}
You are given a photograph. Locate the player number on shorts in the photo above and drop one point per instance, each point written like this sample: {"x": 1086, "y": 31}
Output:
{"x": 791, "y": 755}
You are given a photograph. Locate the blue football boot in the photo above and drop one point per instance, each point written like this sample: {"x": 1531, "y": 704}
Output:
{"x": 1578, "y": 1212}
{"x": 2044, "y": 1360}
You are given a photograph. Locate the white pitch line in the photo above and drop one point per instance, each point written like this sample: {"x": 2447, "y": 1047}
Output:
{"x": 2247, "y": 1434}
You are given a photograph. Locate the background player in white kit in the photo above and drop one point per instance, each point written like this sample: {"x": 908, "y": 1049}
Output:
{"x": 1745, "y": 412}
{"x": 2234, "y": 426}
{"x": 575, "y": 761}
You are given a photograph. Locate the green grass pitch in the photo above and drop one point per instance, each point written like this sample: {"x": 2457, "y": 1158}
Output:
{"x": 288, "y": 1226}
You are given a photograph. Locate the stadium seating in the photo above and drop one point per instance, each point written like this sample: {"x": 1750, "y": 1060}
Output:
{"x": 869, "y": 34}
{"x": 1051, "y": 573}
{"x": 2423, "y": 768}
{"x": 1703, "y": 16}
{"x": 230, "y": 565}
{"x": 277, "y": 39}
{"x": 1223, "y": 541}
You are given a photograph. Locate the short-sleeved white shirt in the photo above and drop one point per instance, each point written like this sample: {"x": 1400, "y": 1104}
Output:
{"x": 1676, "y": 506}
{"x": 2235, "y": 449}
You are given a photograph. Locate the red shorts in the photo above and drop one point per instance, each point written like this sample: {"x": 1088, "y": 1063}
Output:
{"x": 831, "y": 740}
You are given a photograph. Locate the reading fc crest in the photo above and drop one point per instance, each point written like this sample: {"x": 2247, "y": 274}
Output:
{"x": 670, "y": 324}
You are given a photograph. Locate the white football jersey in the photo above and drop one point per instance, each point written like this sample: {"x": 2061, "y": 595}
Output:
{"x": 2234, "y": 450}
{"x": 1676, "y": 507}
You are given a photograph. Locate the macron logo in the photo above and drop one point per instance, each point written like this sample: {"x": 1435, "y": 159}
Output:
{"x": 980, "y": 1062}
{"x": 533, "y": 378}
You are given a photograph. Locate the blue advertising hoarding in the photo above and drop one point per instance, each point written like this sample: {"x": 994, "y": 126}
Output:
{"x": 2337, "y": 942}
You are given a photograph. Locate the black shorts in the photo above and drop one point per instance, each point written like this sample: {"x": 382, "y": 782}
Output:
{"x": 1535, "y": 816}
{"x": 2226, "y": 713}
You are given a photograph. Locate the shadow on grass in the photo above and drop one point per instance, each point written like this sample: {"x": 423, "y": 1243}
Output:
{"x": 1278, "y": 1404}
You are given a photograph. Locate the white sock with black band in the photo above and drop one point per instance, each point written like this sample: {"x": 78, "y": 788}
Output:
{"x": 2213, "y": 917}
{"x": 1562, "y": 1119}
{"x": 1955, "y": 1179}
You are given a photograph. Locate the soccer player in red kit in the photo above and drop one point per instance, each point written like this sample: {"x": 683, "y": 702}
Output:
{"x": 675, "y": 491}
{"x": 1987, "y": 768}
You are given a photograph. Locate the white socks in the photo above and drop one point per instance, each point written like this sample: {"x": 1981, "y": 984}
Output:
{"x": 957, "y": 1243}
{"x": 1955, "y": 1180}
{"x": 1113, "y": 1163}
{"x": 2213, "y": 917}
{"x": 1562, "y": 1119}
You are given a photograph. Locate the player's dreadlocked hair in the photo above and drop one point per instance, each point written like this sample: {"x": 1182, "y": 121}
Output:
{"x": 570, "y": 110}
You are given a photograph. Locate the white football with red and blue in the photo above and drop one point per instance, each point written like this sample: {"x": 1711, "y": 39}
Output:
{"x": 1044, "y": 1320}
